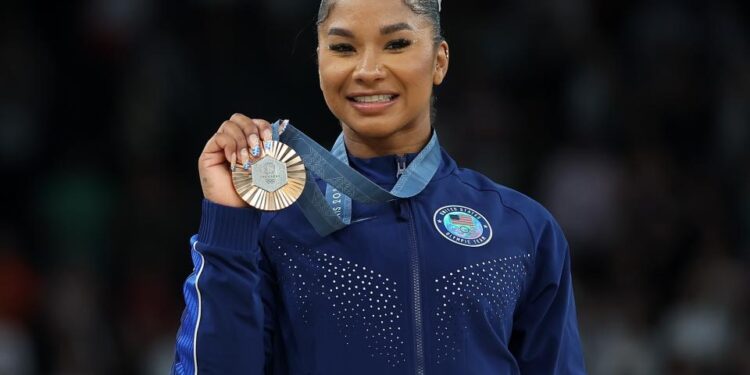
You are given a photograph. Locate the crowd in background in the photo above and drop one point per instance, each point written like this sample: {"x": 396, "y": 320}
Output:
{"x": 629, "y": 120}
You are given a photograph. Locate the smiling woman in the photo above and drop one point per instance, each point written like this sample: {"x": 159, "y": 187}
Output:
{"x": 378, "y": 63}
{"x": 463, "y": 276}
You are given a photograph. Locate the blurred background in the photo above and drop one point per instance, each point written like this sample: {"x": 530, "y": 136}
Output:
{"x": 629, "y": 120}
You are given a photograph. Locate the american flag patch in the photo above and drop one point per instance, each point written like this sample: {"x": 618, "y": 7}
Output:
{"x": 462, "y": 220}
{"x": 462, "y": 225}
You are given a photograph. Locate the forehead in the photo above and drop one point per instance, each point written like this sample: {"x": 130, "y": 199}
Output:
{"x": 373, "y": 14}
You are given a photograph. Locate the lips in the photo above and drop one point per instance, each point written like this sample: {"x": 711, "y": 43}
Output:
{"x": 375, "y": 97}
{"x": 372, "y": 103}
{"x": 372, "y": 98}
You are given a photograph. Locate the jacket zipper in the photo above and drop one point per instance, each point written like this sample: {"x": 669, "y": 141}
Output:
{"x": 400, "y": 165}
{"x": 415, "y": 279}
{"x": 416, "y": 295}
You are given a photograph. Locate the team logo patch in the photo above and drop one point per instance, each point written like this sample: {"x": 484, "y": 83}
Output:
{"x": 462, "y": 225}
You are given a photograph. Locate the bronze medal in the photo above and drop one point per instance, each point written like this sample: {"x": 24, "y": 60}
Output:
{"x": 273, "y": 182}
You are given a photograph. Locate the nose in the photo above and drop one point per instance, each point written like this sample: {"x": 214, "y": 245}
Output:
{"x": 369, "y": 69}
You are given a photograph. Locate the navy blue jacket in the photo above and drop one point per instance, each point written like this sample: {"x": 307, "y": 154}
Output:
{"x": 467, "y": 277}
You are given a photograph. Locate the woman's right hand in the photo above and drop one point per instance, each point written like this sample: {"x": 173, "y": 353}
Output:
{"x": 237, "y": 141}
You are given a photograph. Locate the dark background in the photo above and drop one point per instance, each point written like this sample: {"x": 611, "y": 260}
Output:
{"x": 629, "y": 120}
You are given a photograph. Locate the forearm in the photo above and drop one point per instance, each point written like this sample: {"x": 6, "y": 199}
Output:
{"x": 222, "y": 327}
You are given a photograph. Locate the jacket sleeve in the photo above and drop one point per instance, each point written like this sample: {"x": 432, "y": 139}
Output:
{"x": 545, "y": 337}
{"x": 223, "y": 328}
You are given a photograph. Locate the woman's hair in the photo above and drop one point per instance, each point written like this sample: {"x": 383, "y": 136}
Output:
{"x": 430, "y": 9}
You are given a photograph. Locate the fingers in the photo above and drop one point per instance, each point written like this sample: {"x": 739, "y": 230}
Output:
{"x": 225, "y": 142}
{"x": 258, "y": 132}
{"x": 250, "y": 129}
{"x": 236, "y": 131}
{"x": 242, "y": 139}
{"x": 266, "y": 134}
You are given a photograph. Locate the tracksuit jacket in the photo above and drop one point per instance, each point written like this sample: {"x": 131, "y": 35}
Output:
{"x": 467, "y": 277}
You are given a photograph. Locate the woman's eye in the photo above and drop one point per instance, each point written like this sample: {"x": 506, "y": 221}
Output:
{"x": 341, "y": 48}
{"x": 398, "y": 44}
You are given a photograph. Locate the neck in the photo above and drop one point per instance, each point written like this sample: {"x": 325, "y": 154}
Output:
{"x": 405, "y": 141}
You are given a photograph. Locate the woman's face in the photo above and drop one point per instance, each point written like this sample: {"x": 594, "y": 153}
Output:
{"x": 377, "y": 64}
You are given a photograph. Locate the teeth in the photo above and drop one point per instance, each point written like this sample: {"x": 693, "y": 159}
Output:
{"x": 373, "y": 98}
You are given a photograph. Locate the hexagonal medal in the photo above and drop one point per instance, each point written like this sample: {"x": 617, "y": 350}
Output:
{"x": 274, "y": 182}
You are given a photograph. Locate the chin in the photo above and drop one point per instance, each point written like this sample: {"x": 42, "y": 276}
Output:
{"x": 375, "y": 128}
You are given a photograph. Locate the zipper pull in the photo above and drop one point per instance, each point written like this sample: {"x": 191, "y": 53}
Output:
{"x": 401, "y": 166}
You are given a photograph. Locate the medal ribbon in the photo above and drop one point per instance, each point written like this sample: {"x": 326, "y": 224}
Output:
{"x": 344, "y": 183}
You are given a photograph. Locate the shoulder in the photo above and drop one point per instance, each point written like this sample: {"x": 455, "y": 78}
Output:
{"x": 547, "y": 244}
{"x": 533, "y": 213}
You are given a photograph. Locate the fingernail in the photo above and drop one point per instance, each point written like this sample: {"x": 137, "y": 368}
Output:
{"x": 268, "y": 145}
{"x": 245, "y": 158}
{"x": 255, "y": 151}
{"x": 234, "y": 161}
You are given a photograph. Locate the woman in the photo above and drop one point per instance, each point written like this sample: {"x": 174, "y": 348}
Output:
{"x": 466, "y": 277}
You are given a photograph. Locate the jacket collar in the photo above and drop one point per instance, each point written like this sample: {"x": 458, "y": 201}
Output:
{"x": 383, "y": 170}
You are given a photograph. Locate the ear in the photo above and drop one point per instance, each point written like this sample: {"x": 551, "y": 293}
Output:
{"x": 441, "y": 64}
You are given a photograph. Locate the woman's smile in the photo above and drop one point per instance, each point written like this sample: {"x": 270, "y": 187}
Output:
{"x": 372, "y": 104}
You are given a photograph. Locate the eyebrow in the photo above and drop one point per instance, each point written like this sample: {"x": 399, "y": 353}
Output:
{"x": 385, "y": 30}
{"x": 390, "y": 29}
{"x": 340, "y": 32}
